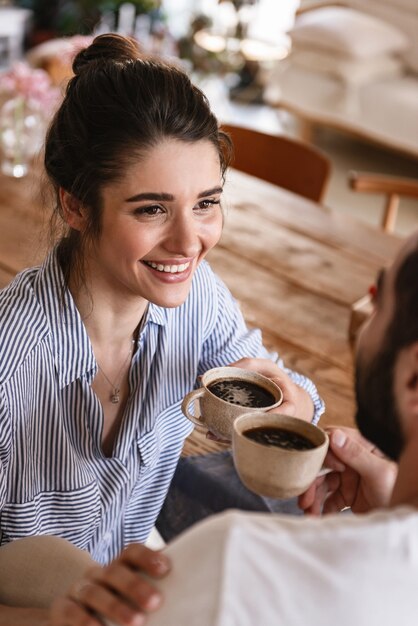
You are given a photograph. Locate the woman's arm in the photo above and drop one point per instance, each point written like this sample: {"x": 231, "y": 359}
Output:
{"x": 10, "y": 616}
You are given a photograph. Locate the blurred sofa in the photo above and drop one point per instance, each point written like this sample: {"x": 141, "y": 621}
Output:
{"x": 354, "y": 66}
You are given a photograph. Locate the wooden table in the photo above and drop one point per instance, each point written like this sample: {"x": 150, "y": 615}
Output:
{"x": 294, "y": 266}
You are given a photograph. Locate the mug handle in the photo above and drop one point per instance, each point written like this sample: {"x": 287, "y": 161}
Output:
{"x": 188, "y": 398}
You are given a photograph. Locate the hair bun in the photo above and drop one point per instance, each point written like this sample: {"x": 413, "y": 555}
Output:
{"x": 107, "y": 47}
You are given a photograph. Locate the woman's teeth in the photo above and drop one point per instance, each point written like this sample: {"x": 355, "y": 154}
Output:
{"x": 170, "y": 269}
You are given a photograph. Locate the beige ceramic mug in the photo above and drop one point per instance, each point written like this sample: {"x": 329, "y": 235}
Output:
{"x": 226, "y": 393}
{"x": 269, "y": 469}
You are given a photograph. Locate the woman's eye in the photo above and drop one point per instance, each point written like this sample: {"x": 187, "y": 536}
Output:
{"x": 149, "y": 210}
{"x": 207, "y": 204}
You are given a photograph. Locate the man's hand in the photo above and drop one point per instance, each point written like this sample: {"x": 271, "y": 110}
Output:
{"x": 116, "y": 593}
{"x": 363, "y": 478}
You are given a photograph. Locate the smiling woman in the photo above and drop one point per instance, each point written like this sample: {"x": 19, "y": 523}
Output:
{"x": 100, "y": 344}
{"x": 151, "y": 244}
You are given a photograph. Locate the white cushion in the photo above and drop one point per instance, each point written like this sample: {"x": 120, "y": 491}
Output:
{"x": 347, "y": 69}
{"x": 408, "y": 5}
{"x": 347, "y": 31}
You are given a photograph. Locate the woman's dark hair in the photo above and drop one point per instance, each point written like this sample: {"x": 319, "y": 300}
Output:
{"x": 118, "y": 105}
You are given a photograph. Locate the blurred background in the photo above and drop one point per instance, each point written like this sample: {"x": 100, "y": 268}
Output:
{"x": 243, "y": 55}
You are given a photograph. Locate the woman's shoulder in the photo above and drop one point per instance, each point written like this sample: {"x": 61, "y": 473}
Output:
{"x": 17, "y": 295}
{"x": 22, "y": 321}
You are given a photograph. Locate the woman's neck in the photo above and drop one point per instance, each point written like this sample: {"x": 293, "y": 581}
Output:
{"x": 108, "y": 317}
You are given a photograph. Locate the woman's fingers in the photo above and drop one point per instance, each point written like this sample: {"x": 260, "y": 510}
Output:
{"x": 262, "y": 366}
{"x": 296, "y": 401}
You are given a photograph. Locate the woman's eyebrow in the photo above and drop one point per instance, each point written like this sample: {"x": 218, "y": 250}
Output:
{"x": 148, "y": 195}
{"x": 168, "y": 197}
{"x": 210, "y": 192}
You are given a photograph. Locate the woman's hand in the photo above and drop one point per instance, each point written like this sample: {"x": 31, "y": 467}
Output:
{"x": 296, "y": 401}
{"x": 363, "y": 478}
{"x": 117, "y": 593}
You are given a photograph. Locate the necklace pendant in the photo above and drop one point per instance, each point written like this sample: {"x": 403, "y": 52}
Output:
{"x": 114, "y": 398}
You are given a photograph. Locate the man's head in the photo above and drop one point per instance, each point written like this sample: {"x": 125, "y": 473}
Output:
{"x": 387, "y": 357}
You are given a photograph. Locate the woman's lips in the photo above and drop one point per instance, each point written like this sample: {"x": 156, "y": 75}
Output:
{"x": 174, "y": 268}
{"x": 170, "y": 272}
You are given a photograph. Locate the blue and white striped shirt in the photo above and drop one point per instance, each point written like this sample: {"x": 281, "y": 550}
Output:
{"x": 54, "y": 477}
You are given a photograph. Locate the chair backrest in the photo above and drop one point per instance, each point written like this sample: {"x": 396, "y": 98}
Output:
{"x": 280, "y": 160}
{"x": 391, "y": 187}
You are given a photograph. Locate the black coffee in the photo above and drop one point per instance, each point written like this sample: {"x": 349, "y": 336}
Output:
{"x": 272, "y": 436}
{"x": 242, "y": 392}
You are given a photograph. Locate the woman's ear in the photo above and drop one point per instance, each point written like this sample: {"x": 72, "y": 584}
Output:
{"x": 72, "y": 210}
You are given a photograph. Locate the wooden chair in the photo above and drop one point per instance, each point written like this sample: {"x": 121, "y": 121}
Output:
{"x": 390, "y": 186}
{"x": 360, "y": 311}
{"x": 280, "y": 160}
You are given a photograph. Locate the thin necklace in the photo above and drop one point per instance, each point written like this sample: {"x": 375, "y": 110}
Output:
{"x": 115, "y": 395}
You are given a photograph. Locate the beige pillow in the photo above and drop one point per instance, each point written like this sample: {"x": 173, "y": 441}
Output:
{"x": 407, "y": 5}
{"x": 347, "y": 32}
{"x": 350, "y": 71}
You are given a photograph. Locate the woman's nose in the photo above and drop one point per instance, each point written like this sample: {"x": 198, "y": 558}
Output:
{"x": 184, "y": 237}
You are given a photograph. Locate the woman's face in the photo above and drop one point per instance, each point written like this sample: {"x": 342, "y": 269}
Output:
{"x": 158, "y": 223}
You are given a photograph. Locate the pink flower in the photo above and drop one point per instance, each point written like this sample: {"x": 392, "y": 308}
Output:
{"x": 32, "y": 84}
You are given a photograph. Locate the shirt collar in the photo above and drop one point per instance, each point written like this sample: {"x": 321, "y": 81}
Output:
{"x": 157, "y": 315}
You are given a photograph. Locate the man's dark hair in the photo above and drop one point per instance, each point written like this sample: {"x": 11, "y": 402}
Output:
{"x": 377, "y": 415}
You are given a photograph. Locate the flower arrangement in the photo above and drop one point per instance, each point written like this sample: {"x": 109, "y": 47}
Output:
{"x": 28, "y": 100}
{"x": 32, "y": 85}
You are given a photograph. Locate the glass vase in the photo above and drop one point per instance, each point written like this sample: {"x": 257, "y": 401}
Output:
{"x": 21, "y": 135}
